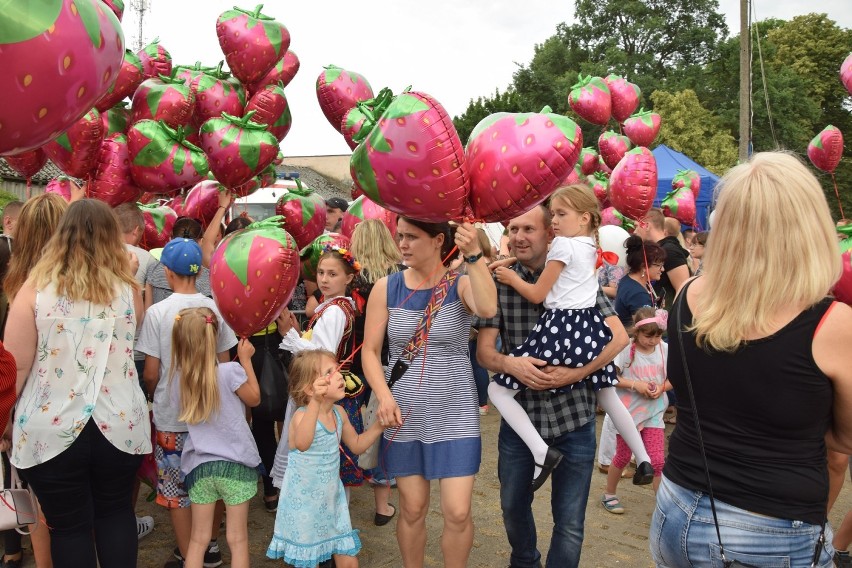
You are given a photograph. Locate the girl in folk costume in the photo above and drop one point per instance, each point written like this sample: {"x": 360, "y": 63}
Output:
{"x": 571, "y": 330}
{"x": 331, "y": 329}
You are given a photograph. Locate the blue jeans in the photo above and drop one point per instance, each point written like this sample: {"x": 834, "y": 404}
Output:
{"x": 683, "y": 534}
{"x": 570, "y": 492}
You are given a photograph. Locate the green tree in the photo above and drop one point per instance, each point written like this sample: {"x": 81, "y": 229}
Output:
{"x": 505, "y": 101}
{"x": 694, "y": 130}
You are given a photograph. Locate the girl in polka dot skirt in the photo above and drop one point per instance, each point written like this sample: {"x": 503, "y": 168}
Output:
{"x": 570, "y": 331}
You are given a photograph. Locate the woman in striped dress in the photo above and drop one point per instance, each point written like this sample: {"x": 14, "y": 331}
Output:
{"x": 432, "y": 409}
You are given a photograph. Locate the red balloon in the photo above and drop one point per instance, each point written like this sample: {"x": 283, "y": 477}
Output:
{"x": 159, "y": 221}
{"x": 362, "y": 209}
{"x": 28, "y": 164}
{"x": 270, "y": 104}
{"x": 202, "y": 201}
{"x": 843, "y": 288}
{"x": 130, "y": 76}
{"x": 282, "y": 72}
{"x": 633, "y": 183}
{"x": 303, "y": 213}
{"x": 338, "y": 90}
{"x": 61, "y": 186}
{"x": 826, "y": 149}
{"x": 75, "y": 151}
{"x": 112, "y": 182}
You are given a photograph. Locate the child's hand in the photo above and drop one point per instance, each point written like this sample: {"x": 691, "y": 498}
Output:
{"x": 285, "y": 322}
{"x": 245, "y": 350}
{"x": 506, "y": 275}
{"x": 320, "y": 387}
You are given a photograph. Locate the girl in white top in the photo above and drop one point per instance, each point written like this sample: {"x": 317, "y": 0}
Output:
{"x": 571, "y": 331}
{"x": 219, "y": 458}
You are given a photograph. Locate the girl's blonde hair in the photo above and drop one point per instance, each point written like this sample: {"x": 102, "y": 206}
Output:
{"x": 305, "y": 368}
{"x": 580, "y": 198}
{"x": 194, "y": 357}
{"x": 773, "y": 193}
{"x": 37, "y": 222}
{"x": 86, "y": 258}
{"x": 374, "y": 247}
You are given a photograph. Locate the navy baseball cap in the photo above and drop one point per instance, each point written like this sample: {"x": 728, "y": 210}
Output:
{"x": 182, "y": 256}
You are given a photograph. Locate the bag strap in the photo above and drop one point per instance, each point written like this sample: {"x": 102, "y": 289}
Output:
{"x": 439, "y": 293}
{"x": 681, "y": 299}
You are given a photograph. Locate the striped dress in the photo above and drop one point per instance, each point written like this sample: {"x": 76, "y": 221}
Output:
{"x": 440, "y": 433}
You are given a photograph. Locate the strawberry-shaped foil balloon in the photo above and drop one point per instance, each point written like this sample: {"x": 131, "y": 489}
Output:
{"x": 680, "y": 204}
{"x": 353, "y": 121}
{"x": 302, "y": 213}
{"x": 161, "y": 160}
{"x": 130, "y": 76}
{"x": 217, "y": 92}
{"x": 202, "y": 201}
{"x": 602, "y": 167}
{"x": 846, "y": 230}
{"x": 412, "y": 162}
{"x": 159, "y": 221}
{"x": 826, "y": 149}
{"x": 271, "y": 108}
{"x": 155, "y": 59}
{"x": 27, "y": 164}
{"x": 843, "y": 288}
{"x": 642, "y": 128}
{"x": 590, "y": 98}
{"x": 689, "y": 179}
{"x": 163, "y": 98}
{"x": 116, "y": 119}
{"x": 58, "y": 58}
{"x": 846, "y": 73}
{"x": 611, "y": 216}
{"x": 573, "y": 177}
{"x": 311, "y": 254}
{"x": 176, "y": 204}
{"x": 600, "y": 185}
{"x": 625, "y": 96}
{"x": 249, "y": 187}
{"x": 516, "y": 160}
{"x": 112, "y": 182}
{"x": 362, "y": 209}
{"x": 338, "y": 90}
{"x": 588, "y": 161}
{"x": 237, "y": 148}
{"x": 61, "y": 186}
{"x": 253, "y": 273}
{"x": 633, "y": 183}
{"x": 613, "y": 146}
{"x": 251, "y": 41}
{"x": 75, "y": 151}
{"x": 282, "y": 72}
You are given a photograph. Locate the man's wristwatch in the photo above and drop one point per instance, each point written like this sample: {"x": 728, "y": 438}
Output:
{"x": 473, "y": 258}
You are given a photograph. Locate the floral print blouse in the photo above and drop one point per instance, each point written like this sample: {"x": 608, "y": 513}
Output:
{"x": 83, "y": 370}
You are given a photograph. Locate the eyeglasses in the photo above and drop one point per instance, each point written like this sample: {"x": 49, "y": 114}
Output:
{"x": 659, "y": 265}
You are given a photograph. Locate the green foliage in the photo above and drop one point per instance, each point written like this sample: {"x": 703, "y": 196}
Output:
{"x": 690, "y": 128}
{"x": 506, "y": 101}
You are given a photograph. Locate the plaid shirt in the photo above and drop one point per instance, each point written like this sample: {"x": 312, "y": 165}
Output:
{"x": 553, "y": 414}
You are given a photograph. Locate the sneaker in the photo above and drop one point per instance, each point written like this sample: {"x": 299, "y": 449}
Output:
{"x": 842, "y": 559}
{"x": 212, "y": 558}
{"x": 144, "y": 526}
{"x": 174, "y": 563}
{"x": 613, "y": 505}
{"x": 483, "y": 410}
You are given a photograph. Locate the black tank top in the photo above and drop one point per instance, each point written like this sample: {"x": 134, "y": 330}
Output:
{"x": 764, "y": 412}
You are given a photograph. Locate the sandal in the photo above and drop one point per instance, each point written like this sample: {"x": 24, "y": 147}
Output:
{"x": 613, "y": 505}
{"x": 551, "y": 460}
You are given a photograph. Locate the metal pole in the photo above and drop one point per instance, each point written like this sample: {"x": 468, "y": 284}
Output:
{"x": 745, "y": 82}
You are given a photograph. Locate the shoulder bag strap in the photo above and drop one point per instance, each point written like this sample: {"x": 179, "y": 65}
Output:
{"x": 681, "y": 299}
{"x": 439, "y": 293}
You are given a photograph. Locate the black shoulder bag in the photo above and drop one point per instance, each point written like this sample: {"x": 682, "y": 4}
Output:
{"x": 725, "y": 561}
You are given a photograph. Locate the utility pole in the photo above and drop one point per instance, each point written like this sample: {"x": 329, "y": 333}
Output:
{"x": 140, "y": 7}
{"x": 745, "y": 82}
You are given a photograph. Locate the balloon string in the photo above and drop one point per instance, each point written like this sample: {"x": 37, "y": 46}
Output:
{"x": 837, "y": 194}
{"x": 29, "y": 187}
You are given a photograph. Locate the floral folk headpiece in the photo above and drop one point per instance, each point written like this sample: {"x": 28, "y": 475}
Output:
{"x": 345, "y": 254}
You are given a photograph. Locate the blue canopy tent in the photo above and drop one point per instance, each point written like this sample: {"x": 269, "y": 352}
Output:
{"x": 668, "y": 163}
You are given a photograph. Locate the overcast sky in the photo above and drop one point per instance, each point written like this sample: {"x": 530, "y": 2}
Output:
{"x": 455, "y": 50}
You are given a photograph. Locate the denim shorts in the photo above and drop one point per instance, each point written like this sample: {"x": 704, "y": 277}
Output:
{"x": 683, "y": 534}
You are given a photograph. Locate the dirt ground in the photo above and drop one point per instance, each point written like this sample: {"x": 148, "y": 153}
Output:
{"x": 611, "y": 540}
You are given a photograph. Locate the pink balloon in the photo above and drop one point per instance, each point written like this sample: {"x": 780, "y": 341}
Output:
{"x": 362, "y": 209}
{"x": 202, "y": 201}
{"x": 846, "y": 73}
{"x": 843, "y": 288}
{"x": 28, "y": 164}
{"x": 75, "y": 151}
{"x": 112, "y": 182}
{"x": 826, "y": 149}
{"x": 54, "y": 69}
{"x": 633, "y": 183}
{"x": 282, "y": 72}
{"x": 338, "y": 90}
{"x": 60, "y": 186}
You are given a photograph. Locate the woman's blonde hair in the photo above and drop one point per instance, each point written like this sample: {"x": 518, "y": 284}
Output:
{"x": 775, "y": 194}
{"x": 194, "y": 357}
{"x": 374, "y": 247}
{"x": 37, "y": 222}
{"x": 86, "y": 258}
{"x": 305, "y": 368}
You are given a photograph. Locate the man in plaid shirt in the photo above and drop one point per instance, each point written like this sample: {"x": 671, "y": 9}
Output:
{"x": 566, "y": 421}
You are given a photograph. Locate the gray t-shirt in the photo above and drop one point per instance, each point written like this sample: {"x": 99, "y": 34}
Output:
{"x": 156, "y": 341}
{"x": 145, "y": 259}
{"x": 226, "y": 434}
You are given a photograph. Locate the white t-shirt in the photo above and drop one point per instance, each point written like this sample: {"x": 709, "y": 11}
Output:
{"x": 156, "y": 340}
{"x": 145, "y": 259}
{"x": 577, "y": 285}
{"x": 650, "y": 368}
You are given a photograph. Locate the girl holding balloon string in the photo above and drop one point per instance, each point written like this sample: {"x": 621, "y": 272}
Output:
{"x": 331, "y": 329}
{"x": 570, "y": 331}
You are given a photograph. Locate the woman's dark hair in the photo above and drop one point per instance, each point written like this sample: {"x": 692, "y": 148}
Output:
{"x": 700, "y": 238}
{"x": 187, "y": 228}
{"x": 237, "y": 224}
{"x": 435, "y": 229}
{"x": 639, "y": 252}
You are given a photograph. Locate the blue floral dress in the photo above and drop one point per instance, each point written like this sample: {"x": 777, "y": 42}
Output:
{"x": 312, "y": 522}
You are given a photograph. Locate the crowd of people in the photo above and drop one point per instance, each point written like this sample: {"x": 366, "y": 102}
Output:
{"x": 122, "y": 356}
